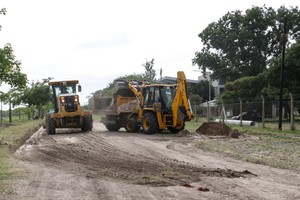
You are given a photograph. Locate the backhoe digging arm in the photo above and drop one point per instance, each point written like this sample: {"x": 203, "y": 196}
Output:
{"x": 181, "y": 106}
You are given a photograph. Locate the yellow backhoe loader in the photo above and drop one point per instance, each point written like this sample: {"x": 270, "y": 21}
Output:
{"x": 154, "y": 107}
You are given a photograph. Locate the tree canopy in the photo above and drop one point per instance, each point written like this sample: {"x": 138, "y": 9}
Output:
{"x": 108, "y": 91}
{"x": 202, "y": 89}
{"x": 149, "y": 71}
{"x": 242, "y": 44}
{"x": 291, "y": 72}
{"x": 10, "y": 69}
{"x": 37, "y": 96}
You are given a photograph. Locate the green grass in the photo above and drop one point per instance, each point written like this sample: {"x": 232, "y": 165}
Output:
{"x": 10, "y": 139}
{"x": 268, "y": 146}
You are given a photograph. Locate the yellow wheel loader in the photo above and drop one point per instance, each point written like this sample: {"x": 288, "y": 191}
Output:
{"x": 67, "y": 112}
{"x": 156, "y": 106}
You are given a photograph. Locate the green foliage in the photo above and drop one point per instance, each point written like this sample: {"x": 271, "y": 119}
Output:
{"x": 109, "y": 90}
{"x": 195, "y": 98}
{"x": 242, "y": 44}
{"x": 202, "y": 90}
{"x": 149, "y": 71}
{"x": 2, "y": 12}
{"x": 245, "y": 87}
{"x": 292, "y": 69}
{"x": 291, "y": 83}
{"x": 10, "y": 69}
{"x": 37, "y": 96}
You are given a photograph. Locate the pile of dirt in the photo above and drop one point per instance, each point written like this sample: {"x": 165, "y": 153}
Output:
{"x": 217, "y": 129}
{"x": 184, "y": 133}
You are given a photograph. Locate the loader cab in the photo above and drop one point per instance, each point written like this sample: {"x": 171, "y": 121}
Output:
{"x": 64, "y": 94}
{"x": 159, "y": 94}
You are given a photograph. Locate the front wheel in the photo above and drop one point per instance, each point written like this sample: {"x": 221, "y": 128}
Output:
{"x": 149, "y": 123}
{"x": 132, "y": 126}
{"x": 87, "y": 124}
{"x": 50, "y": 125}
{"x": 113, "y": 127}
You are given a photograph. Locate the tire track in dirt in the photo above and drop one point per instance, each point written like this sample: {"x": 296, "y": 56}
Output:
{"x": 100, "y": 164}
{"x": 127, "y": 157}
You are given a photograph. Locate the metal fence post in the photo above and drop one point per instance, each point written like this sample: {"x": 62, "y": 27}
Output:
{"x": 223, "y": 111}
{"x": 241, "y": 111}
{"x": 196, "y": 119}
{"x": 263, "y": 111}
{"x": 292, "y": 112}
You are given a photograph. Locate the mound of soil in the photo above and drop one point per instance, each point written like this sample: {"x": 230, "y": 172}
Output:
{"x": 184, "y": 133}
{"x": 217, "y": 129}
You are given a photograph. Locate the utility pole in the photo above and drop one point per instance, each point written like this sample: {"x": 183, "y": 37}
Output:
{"x": 283, "y": 43}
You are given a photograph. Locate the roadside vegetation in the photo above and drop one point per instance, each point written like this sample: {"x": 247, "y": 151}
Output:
{"x": 267, "y": 146}
{"x": 11, "y": 137}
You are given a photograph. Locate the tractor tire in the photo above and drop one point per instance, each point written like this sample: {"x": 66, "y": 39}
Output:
{"x": 50, "y": 125}
{"x": 87, "y": 123}
{"x": 149, "y": 123}
{"x": 132, "y": 126}
{"x": 113, "y": 127}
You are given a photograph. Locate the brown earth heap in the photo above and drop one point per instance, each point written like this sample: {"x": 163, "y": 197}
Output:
{"x": 217, "y": 129}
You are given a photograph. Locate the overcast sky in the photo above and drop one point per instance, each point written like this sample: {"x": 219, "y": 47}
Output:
{"x": 97, "y": 41}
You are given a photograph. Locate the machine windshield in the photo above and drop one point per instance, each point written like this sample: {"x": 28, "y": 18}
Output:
{"x": 168, "y": 94}
{"x": 67, "y": 89}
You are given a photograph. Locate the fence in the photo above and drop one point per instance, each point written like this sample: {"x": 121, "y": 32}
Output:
{"x": 263, "y": 110}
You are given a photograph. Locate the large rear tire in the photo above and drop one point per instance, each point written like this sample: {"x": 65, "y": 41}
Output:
{"x": 132, "y": 126}
{"x": 87, "y": 123}
{"x": 149, "y": 123}
{"x": 113, "y": 127}
{"x": 50, "y": 125}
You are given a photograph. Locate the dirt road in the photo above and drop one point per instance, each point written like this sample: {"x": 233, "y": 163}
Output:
{"x": 119, "y": 165}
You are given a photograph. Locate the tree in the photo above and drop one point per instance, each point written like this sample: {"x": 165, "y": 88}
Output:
{"x": 149, "y": 71}
{"x": 246, "y": 87}
{"x": 242, "y": 44}
{"x": 10, "y": 69}
{"x": 291, "y": 82}
{"x": 201, "y": 89}
{"x": 37, "y": 96}
{"x": 291, "y": 72}
{"x": 2, "y": 12}
{"x": 109, "y": 90}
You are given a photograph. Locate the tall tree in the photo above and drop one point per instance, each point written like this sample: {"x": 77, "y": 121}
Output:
{"x": 149, "y": 70}
{"x": 2, "y": 12}
{"x": 202, "y": 89}
{"x": 242, "y": 44}
{"x": 246, "y": 87}
{"x": 37, "y": 95}
{"x": 10, "y": 69}
{"x": 291, "y": 72}
{"x": 109, "y": 90}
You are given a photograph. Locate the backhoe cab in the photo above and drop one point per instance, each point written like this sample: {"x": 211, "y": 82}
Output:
{"x": 67, "y": 112}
